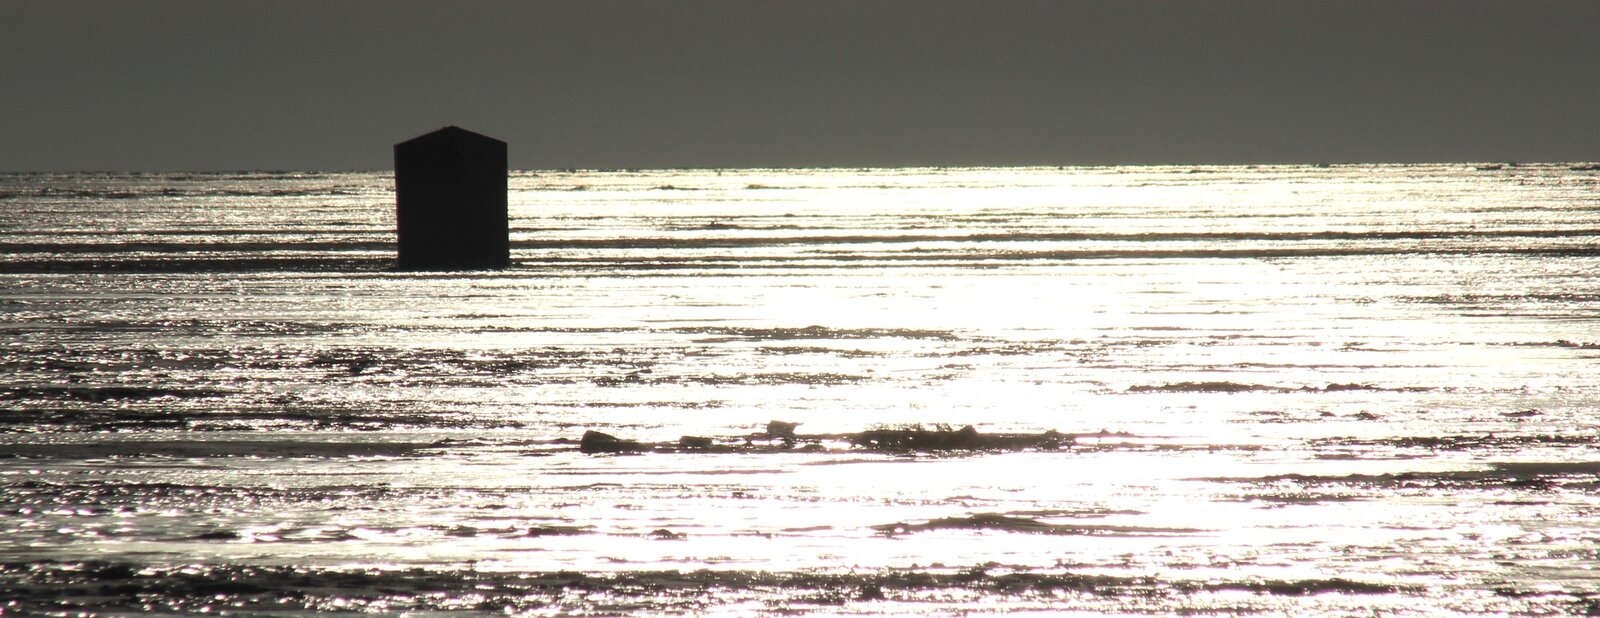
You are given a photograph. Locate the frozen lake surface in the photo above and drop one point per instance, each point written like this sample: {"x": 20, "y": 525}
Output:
{"x": 1312, "y": 390}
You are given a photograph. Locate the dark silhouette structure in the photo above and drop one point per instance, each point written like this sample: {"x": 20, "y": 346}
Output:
{"x": 450, "y": 201}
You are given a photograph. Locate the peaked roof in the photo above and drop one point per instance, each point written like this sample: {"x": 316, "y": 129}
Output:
{"x": 448, "y": 134}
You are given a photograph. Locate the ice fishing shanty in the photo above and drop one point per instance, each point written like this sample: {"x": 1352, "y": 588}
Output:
{"x": 450, "y": 201}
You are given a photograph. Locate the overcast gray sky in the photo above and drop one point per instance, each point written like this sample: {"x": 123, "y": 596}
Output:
{"x": 329, "y": 84}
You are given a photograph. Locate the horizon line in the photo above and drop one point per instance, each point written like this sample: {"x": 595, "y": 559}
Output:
{"x": 1572, "y": 164}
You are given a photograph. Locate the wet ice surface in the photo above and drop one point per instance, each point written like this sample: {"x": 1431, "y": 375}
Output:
{"x": 1323, "y": 391}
